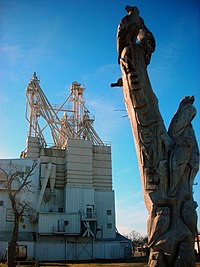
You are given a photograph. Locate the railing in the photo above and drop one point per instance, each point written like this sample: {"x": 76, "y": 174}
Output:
{"x": 88, "y": 216}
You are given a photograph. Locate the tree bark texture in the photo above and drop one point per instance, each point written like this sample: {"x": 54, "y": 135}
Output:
{"x": 13, "y": 243}
{"x": 168, "y": 160}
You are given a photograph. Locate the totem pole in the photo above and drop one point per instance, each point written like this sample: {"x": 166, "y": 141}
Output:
{"x": 168, "y": 160}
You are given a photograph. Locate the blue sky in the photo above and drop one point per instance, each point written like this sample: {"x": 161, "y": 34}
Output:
{"x": 75, "y": 40}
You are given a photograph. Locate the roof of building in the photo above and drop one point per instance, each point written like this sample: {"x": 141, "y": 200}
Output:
{"x": 119, "y": 237}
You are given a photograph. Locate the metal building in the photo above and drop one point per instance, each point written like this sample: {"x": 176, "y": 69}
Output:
{"x": 72, "y": 200}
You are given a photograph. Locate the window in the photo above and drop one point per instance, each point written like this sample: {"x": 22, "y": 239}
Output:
{"x": 60, "y": 209}
{"x": 109, "y": 225}
{"x": 1, "y": 203}
{"x": 9, "y": 215}
{"x": 89, "y": 212}
{"x": 109, "y": 212}
{"x": 2, "y": 176}
{"x": 61, "y": 226}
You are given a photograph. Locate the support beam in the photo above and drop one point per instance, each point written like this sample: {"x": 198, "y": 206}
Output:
{"x": 44, "y": 185}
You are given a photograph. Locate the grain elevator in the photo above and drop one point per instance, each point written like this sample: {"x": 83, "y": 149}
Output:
{"x": 72, "y": 215}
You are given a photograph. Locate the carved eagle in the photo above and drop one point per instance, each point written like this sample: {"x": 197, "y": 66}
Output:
{"x": 184, "y": 157}
{"x": 147, "y": 41}
{"x": 128, "y": 29}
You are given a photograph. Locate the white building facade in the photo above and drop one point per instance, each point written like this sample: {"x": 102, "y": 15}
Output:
{"x": 72, "y": 202}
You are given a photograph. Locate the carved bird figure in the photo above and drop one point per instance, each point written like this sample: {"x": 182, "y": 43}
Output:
{"x": 183, "y": 117}
{"x": 184, "y": 157}
{"x": 158, "y": 225}
{"x": 147, "y": 41}
{"x": 128, "y": 29}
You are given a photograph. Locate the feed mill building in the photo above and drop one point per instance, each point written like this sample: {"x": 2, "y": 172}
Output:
{"x": 71, "y": 213}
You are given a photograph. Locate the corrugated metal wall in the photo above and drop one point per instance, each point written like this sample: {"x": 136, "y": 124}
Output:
{"x": 77, "y": 199}
{"x": 83, "y": 250}
{"x": 104, "y": 201}
{"x": 53, "y": 200}
{"x": 58, "y": 222}
{"x": 50, "y": 251}
{"x": 83, "y": 179}
{"x": 79, "y": 250}
{"x": 79, "y": 163}
{"x": 102, "y": 167}
{"x": 112, "y": 250}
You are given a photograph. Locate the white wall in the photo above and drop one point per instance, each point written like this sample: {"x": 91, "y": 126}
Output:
{"x": 48, "y": 223}
{"x": 76, "y": 199}
{"x": 31, "y": 196}
{"x": 78, "y": 163}
{"x": 104, "y": 200}
{"x": 111, "y": 250}
{"x": 47, "y": 251}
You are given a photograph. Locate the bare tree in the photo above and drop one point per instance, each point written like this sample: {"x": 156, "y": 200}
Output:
{"x": 16, "y": 182}
{"x": 137, "y": 238}
{"x": 138, "y": 241}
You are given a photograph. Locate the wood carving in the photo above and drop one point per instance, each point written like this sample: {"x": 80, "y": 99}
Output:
{"x": 168, "y": 160}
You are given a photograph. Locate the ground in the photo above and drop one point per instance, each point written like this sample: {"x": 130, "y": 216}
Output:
{"x": 99, "y": 264}
{"x": 139, "y": 263}
{"x": 88, "y": 265}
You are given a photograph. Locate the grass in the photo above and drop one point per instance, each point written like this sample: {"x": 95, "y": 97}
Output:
{"x": 97, "y": 264}
{"x": 88, "y": 265}
{"x": 101, "y": 264}
{"x": 104, "y": 264}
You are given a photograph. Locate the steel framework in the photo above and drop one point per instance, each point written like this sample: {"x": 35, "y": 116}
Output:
{"x": 75, "y": 121}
